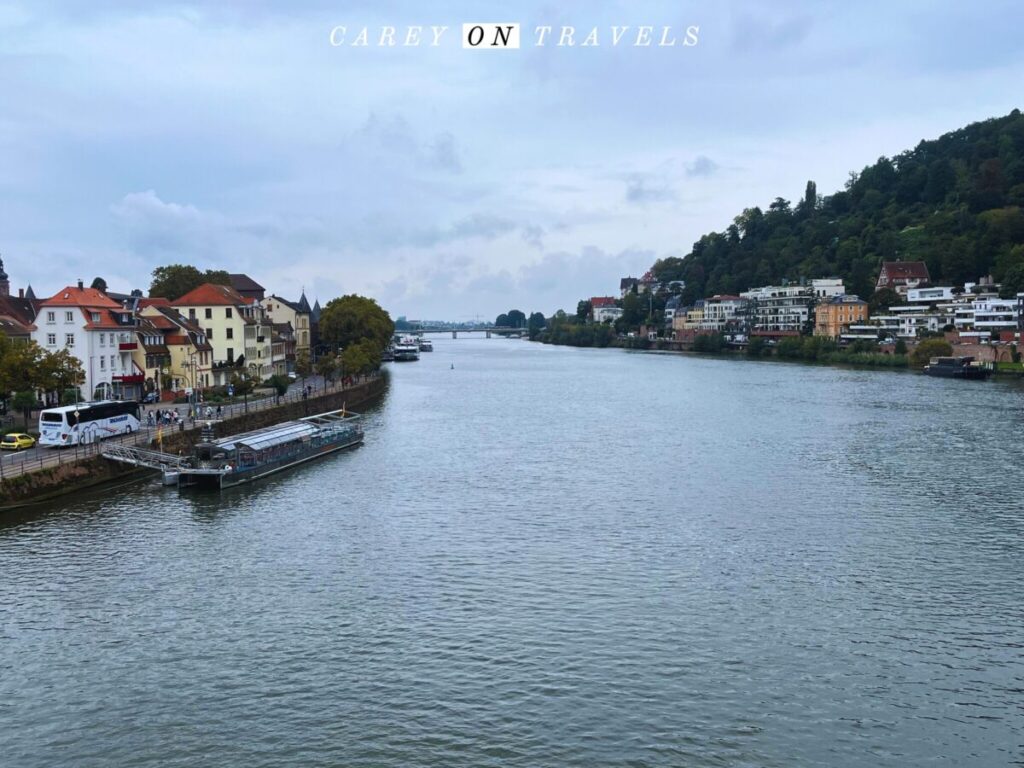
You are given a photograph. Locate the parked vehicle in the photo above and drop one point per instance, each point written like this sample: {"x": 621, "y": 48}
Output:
{"x": 17, "y": 441}
{"x": 87, "y": 422}
{"x": 151, "y": 397}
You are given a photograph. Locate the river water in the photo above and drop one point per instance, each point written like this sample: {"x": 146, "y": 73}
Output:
{"x": 546, "y": 557}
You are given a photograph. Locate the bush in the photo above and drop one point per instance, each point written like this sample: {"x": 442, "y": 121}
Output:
{"x": 928, "y": 349}
{"x": 757, "y": 346}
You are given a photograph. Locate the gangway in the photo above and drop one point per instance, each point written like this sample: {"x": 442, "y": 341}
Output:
{"x": 167, "y": 463}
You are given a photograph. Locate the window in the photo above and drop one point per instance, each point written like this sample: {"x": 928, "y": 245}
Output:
{"x": 113, "y": 359}
{"x": 209, "y": 313}
{"x": 231, "y": 333}
{"x": 103, "y": 363}
{"x": 209, "y": 333}
{"x": 191, "y": 313}
{"x": 51, "y": 317}
{"x": 51, "y": 339}
{"x": 69, "y": 339}
{"x": 227, "y": 312}
{"x": 231, "y": 354}
{"x": 94, "y": 315}
{"x": 69, "y": 317}
{"x": 103, "y": 339}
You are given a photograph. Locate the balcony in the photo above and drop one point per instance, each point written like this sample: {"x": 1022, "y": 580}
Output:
{"x": 128, "y": 346}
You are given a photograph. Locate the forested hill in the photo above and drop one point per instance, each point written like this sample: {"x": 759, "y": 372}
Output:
{"x": 955, "y": 203}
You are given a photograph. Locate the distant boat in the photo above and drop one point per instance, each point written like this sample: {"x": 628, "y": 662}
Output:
{"x": 406, "y": 349}
{"x": 251, "y": 455}
{"x": 957, "y": 368}
{"x": 426, "y": 345}
{"x": 388, "y": 354}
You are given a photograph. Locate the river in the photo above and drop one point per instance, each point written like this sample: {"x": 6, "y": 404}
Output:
{"x": 551, "y": 557}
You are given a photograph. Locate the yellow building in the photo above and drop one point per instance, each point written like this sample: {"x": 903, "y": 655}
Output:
{"x": 298, "y": 313}
{"x": 234, "y": 327}
{"x": 173, "y": 352}
{"x": 833, "y": 318}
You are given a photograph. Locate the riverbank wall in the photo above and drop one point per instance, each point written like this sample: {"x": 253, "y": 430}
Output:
{"x": 75, "y": 476}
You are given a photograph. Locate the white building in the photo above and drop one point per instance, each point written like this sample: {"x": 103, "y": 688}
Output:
{"x": 930, "y": 294}
{"x": 722, "y": 311}
{"x": 985, "y": 316}
{"x": 788, "y": 308}
{"x": 99, "y": 332}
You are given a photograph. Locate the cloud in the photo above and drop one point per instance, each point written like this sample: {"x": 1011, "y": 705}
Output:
{"x": 702, "y": 165}
{"x": 642, "y": 190}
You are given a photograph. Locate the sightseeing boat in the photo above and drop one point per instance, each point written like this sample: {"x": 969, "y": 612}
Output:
{"x": 426, "y": 345}
{"x": 957, "y": 368}
{"x": 249, "y": 456}
{"x": 407, "y": 348}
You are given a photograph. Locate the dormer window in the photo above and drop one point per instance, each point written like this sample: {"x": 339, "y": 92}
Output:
{"x": 95, "y": 316}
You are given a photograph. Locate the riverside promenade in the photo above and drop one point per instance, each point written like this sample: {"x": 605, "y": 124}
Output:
{"x": 14, "y": 469}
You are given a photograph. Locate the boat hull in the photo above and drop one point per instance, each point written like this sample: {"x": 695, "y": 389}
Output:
{"x": 228, "y": 479}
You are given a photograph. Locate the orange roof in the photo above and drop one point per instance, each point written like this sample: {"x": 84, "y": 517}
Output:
{"x": 106, "y": 320}
{"x": 210, "y": 294}
{"x": 72, "y": 296}
{"x": 155, "y": 301}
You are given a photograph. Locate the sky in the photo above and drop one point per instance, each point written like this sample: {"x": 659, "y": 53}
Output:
{"x": 448, "y": 183}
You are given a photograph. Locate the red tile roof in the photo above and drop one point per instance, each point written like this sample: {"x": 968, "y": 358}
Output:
{"x": 905, "y": 270}
{"x": 72, "y": 296}
{"x": 211, "y": 295}
{"x": 602, "y": 301}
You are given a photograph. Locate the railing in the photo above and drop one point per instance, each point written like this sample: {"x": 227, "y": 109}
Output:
{"x": 15, "y": 463}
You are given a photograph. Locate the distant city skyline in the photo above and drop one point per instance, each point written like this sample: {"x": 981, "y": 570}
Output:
{"x": 448, "y": 183}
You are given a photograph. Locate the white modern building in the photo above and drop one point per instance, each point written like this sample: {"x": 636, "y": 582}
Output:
{"x": 787, "y": 309}
{"x": 722, "y": 311}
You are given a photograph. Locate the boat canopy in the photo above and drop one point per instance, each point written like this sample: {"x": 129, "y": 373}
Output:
{"x": 259, "y": 439}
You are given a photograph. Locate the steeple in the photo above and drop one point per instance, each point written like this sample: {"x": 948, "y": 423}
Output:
{"x": 30, "y": 294}
{"x": 316, "y": 311}
{"x": 304, "y": 303}
{"x": 5, "y": 284}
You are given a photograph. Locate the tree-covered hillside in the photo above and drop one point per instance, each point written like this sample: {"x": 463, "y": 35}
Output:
{"x": 955, "y": 203}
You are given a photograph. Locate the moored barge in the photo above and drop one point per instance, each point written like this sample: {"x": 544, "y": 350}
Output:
{"x": 249, "y": 456}
{"x": 957, "y": 368}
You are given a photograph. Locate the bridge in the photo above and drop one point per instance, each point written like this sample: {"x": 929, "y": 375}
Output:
{"x": 488, "y": 331}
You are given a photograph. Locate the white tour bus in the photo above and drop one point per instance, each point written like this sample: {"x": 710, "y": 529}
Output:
{"x": 87, "y": 422}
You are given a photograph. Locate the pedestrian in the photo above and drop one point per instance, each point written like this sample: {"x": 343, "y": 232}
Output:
{"x": 219, "y": 411}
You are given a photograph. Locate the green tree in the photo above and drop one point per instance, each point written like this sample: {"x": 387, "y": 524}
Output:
{"x": 303, "y": 364}
{"x": 99, "y": 284}
{"x": 756, "y": 346}
{"x": 361, "y": 357}
{"x": 59, "y": 372}
{"x": 900, "y": 347}
{"x": 516, "y": 319}
{"x": 535, "y": 324}
{"x": 633, "y": 311}
{"x": 175, "y": 280}
{"x": 502, "y": 321}
{"x": 327, "y": 366}
{"x": 928, "y": 349}
{"x": 1013, "y": 282}
{"x": 352, "y": 319}
{"x": 583, "y": 309}
{"x": 24, "y": 401}
{"x": 882, "y": 299}
{"x": 279, "y": 383}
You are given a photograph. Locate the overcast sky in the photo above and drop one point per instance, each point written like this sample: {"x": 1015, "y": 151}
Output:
{"x": 448, "y": 183}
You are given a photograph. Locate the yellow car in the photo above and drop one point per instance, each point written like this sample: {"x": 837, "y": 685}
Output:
{"x": 16, "y": 441}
